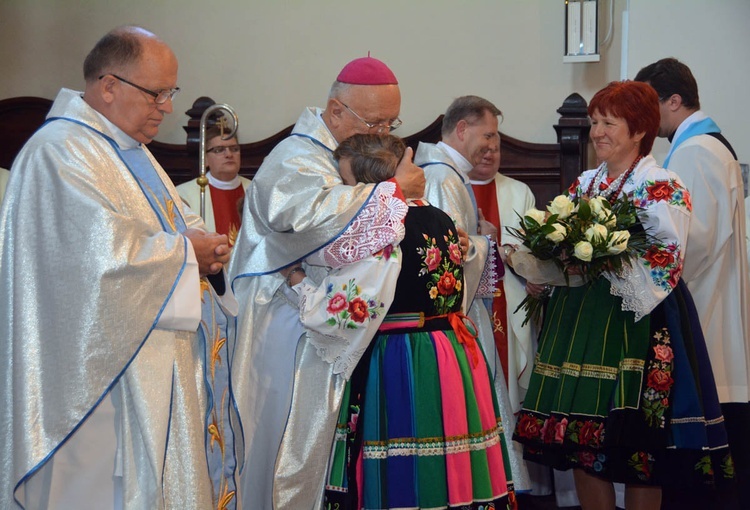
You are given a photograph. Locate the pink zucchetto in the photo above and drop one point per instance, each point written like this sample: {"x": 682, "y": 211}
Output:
{"x": 367, "y": 71}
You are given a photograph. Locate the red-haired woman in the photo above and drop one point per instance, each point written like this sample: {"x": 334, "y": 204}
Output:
{"x": 622, "y": 390}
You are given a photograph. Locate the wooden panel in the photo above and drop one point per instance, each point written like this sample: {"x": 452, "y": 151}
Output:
{"x": 546, "y": 168}
{"x": 20, "y": 117}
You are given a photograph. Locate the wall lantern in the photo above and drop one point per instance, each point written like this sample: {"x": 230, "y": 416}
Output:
{"x": 581, "y": 31}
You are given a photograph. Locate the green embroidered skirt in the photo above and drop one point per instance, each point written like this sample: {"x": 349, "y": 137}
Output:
{"x": 628, "y": 401}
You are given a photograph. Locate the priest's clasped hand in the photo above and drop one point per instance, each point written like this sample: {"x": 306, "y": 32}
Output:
{"x": 211, "y": 249}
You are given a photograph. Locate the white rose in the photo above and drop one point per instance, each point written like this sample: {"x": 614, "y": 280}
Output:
{"x": 558, "y": 235}
{"x": 596, "y": 206}
{"x": 596, "y": 231}
{"x": 583, "y": 251}
{"x": 562, "y": 206}
{"x": 619, "y": 242}
{"x": 536, "y": 215}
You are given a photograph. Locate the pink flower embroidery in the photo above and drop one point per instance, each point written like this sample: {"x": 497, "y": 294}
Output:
{"x": 455, "y": 253}
{"x": 337, "y": 303}
{"x": 674, "y": 276}
{"x": 353, "y": 422}
{"x": 548, "y": 430}
{"x": 663, "y": 353}
{"x": 560, "y": 430}
{"x": 432, "y": 258}
{"x": 586, "y": 458}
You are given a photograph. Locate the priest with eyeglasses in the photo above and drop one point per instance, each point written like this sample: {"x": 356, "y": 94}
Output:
{"x": 226, "y": 188}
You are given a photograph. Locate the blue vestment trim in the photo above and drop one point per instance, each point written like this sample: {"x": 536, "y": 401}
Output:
{"x": 702, "y": 127}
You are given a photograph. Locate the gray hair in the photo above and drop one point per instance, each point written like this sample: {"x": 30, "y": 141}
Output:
{"x": 339, "y": 89}
{"x": 468, "y": 108}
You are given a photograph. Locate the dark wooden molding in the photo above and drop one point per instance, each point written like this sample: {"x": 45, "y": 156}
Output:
{"x": 546, "y": 168}
{"x": 573, "y": 137}
{"x": 20, "y": 117}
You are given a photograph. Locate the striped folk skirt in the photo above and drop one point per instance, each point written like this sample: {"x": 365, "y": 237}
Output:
{"x": 419, "y": 425}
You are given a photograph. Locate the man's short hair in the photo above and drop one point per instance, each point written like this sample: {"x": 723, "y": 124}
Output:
{"x": 468, "y": 108}
{"x": 118, "y": 49}
{"x": 669, "y": 76}
{"x": 373, "y": 157}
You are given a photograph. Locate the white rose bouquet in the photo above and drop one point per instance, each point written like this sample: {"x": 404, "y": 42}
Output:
{"x": 584, "y": 236}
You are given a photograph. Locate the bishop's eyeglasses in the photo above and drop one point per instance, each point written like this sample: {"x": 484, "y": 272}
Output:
{"x": 380, "y": 126}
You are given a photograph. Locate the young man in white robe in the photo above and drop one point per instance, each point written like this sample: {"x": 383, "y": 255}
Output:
{"x": 716, "y": 264}
{"x": 225, "y": 186}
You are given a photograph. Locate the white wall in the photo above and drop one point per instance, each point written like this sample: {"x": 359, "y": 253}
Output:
{"x": 269, "y": 59}
{"x": 713, "y": 38}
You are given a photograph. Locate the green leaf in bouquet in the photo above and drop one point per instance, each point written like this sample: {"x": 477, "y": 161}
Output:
{"x": 532, "y": 306}
{"x": 530, "y": 222}
{"x": 547, "y": 229}
{"x": 584, "y": 210}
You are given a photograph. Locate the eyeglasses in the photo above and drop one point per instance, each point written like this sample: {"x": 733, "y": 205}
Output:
{"x": 160, "y": 97}
{"x": 219, "y": 149}
{"x": 390, "y": 125}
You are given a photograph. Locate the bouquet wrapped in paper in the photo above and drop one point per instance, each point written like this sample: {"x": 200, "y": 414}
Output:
{"x": 575, "y": 240}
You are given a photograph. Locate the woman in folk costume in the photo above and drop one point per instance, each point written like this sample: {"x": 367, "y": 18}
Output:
{"x": 622, "y": 389}
{"x": 420, "y": 425}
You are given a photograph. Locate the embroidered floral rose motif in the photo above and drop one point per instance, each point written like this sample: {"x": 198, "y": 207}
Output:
{"x": 573, "y": 187}
{"x": 674, "y": 276}
{"x": 442, "y": 268}
{"x": 560, "y": 430}
{"x": 586, "y": 434}
{"x": 661, "y": 190}
{"x": 358, "y": 310}
{"x": 548, "y": 429}
{"x": 528, "y": 427}
{"x": 658, "y": 257}
{"x": 336, "y": 303}
{"x": 660, "y": 380}
{"x": 353, "y": 419}
{"x": 348, "y": 307}
{"x": 586, "y": 458}
{"x": 599, "y": 435}
{"x": 663, "y": 353}
{"x": 454, "y": 251}
{"x": 433, "y": 258}
{"x": 641, "y": 461}
{"x": 688, "y": 200}
{"x": 446, "y": 284}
